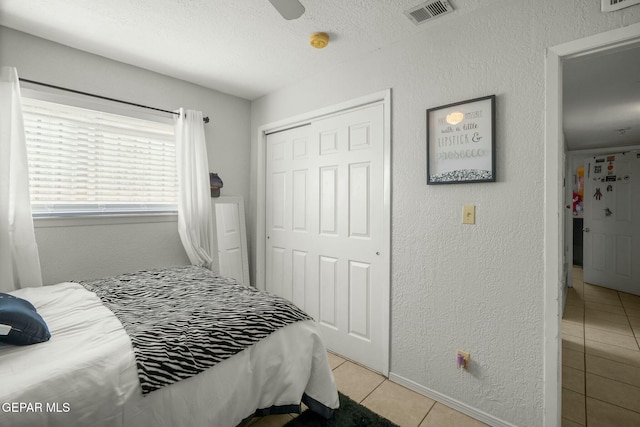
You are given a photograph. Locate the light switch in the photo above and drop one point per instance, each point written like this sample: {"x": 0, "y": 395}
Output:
{"x": 468, "y": 214}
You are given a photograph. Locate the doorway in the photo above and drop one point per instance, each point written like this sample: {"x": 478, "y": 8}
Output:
{"x": 555, "y": 239}
{"x": 323, "y": 230}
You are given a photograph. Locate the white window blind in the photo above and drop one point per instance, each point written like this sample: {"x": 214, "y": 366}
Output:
{"x": 83, "y": 161}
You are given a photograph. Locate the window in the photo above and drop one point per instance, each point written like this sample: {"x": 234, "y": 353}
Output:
{"x": 83, "y": 161}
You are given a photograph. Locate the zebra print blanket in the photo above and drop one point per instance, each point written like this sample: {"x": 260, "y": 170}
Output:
{"x": 183, "y": 320}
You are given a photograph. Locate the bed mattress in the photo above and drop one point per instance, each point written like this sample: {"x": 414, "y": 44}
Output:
{"x": 86, "y": 374}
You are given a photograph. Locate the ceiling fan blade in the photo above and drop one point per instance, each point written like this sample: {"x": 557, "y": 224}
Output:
{"x": 289, "y": 9}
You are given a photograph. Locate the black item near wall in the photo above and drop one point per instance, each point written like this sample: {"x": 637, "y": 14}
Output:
{"x": 350, "y": 414}
{"x": 578, "y": 225}
{"x": 216, "y": 184}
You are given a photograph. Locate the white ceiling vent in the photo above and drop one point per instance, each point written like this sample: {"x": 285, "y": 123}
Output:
{"x": 610, "y": 5}
{"x": 432, "y": 9}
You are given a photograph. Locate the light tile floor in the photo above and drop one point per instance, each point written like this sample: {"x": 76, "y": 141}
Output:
{"x": 398, "y": 404}
{"x": 600, "y": 356}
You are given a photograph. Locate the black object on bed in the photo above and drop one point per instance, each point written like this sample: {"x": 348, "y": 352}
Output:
{"x": 20, "y": 323}
{"x": 183, "y": 320}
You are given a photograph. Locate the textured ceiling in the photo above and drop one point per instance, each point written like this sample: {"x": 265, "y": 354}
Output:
{"x": 241, "y": 47}
{"x": 245, "y": 48}
{"x": 602, "y": 99}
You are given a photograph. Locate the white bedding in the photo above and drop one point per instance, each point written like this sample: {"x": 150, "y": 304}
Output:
{"x": 86, "y": 374}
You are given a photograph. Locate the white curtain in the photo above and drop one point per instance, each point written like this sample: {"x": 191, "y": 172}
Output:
{"x": 194, "y": 196}
{"x": 19, "y": 260}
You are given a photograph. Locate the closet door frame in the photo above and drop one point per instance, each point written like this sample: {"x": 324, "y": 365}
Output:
{"x": 383, "y": 97}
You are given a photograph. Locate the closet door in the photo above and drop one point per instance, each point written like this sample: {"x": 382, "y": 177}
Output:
{"x": 290, "y": 237}
{"x": 324, "y": 222}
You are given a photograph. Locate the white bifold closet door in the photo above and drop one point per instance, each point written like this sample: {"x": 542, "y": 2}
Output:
{"x": 324, "y": 224}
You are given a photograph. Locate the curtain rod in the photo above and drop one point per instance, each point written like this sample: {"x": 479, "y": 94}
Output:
{"x": 204, "y": 119}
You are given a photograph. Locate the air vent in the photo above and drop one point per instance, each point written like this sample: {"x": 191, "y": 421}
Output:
{"x": 611, "y": 5}
{"x": 431, "y": 9}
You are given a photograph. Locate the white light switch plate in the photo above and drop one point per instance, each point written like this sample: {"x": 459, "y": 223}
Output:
{"x": 468, "y": 214}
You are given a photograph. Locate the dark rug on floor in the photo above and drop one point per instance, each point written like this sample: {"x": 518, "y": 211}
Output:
{"x": 350, "y": 414}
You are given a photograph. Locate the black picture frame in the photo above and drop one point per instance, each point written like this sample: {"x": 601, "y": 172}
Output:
{"x": 461, "y": 142}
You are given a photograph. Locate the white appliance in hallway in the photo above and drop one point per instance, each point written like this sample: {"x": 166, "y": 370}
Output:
{"x": 612, "y": 221}
{"x": 324, "y": 229}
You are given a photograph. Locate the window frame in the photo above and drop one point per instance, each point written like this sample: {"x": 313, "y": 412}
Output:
{"x": 160, "y": 212}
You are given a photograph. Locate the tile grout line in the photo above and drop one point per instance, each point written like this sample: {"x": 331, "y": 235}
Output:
{"x": 612, "y": 360}
{"x": 374, "y": 389}
{"x": 629, "y": 321}
{"x": 614, "y": 345}
{"x": 584, "y": 346}
{"x": 609, "y": 331}
{"x": 608, "y": 313}
{"x": 427, "y": 414}
{"x": 614, "y": 380}
{"x": 337, "y": 366}
{"x": 612, "y": 404}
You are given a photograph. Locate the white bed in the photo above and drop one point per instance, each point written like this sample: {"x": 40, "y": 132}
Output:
{"x": 86, "y": 375}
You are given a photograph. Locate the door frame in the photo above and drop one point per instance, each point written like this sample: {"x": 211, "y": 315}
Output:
{"x": 383, "y": 97}
{"x": 554, "y": 241}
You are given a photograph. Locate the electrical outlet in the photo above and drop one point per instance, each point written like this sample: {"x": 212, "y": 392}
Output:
{"x": 466, "y": 358}
{"x": 468, "y": 214}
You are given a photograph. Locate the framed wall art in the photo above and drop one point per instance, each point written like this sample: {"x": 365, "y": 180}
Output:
{"x": 461, "y": 142}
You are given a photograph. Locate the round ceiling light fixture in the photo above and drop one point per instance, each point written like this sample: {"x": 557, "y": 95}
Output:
{"x": 319, "y": 40}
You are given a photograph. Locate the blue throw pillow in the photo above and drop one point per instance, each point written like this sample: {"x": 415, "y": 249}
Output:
{"x": 27, "y": 326}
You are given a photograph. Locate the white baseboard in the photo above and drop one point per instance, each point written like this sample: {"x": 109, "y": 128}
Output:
{"x": 458, "y": 406}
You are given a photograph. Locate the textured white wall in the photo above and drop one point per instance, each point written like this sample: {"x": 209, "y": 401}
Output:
{"x": 477, "y": 288}
{"x": 90, "y": 249}
{"x": 97, "y": 250}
